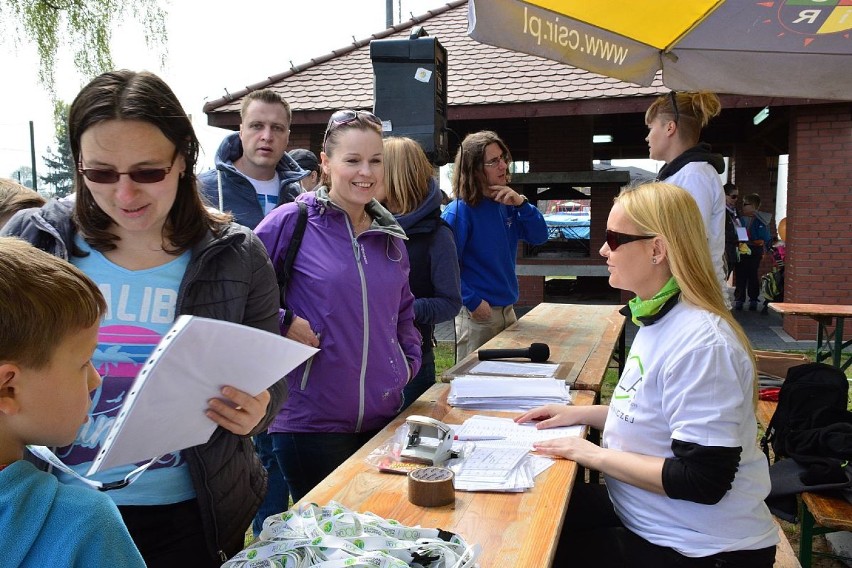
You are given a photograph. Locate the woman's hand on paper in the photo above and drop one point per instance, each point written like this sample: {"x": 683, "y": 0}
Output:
{"x": 240, "y": 412}
{"x": 300, "y": 330}
{"x": 549, "y": 416}
{"x": 579, "y": 450}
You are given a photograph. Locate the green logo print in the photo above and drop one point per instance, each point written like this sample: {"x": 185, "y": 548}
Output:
{"x": 252, "y": 554}
{"x": 359, "y": 543}
{"x": 624, "y": 392}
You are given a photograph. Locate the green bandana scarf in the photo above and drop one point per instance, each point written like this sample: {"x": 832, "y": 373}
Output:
{"x": 641, "y": 310}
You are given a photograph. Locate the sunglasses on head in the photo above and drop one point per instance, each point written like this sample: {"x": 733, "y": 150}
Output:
{"x": 146, "y": 175}
{"x": 673, "y": 96}
{"x": 615, "y": 239}
{"x": 347, "y": 116}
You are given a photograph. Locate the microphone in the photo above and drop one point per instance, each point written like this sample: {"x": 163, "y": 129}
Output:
{"x": 537, "y": 352}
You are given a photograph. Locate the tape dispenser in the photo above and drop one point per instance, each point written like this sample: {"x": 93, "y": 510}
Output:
{"x": 429, "y": 441}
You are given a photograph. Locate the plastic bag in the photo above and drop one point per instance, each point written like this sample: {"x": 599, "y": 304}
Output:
{"x": 332, "y": 536}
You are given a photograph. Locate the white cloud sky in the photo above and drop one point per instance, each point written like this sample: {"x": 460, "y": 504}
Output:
{"x": 213, "y": 45}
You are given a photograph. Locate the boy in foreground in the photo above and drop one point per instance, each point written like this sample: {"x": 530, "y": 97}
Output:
{"x": 49, "y": 316}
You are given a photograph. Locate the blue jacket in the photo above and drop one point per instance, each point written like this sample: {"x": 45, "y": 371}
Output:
{"x": 434, "y": 276}
{"x": 487, "y": 242}
{"x": 354, "y": 292}
{"x": 46, "y": 523}
{"x": 238, "y": 194}
{"x": 757, "y": 231}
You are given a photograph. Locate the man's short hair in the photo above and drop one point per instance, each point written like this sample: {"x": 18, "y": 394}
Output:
{"x": 265, "y": 96}
{"x": 43, "y": 299}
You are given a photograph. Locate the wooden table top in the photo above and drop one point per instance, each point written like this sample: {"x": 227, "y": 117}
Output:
{"x": 813, "y": 310}
{"x": 513, "y": 529}
{"x": 581, "y": 338}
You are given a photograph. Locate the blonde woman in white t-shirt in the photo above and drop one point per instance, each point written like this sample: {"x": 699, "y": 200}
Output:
{"x": 685, "y": 480}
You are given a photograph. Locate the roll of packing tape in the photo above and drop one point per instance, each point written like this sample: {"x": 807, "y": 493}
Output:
{"x": 431, "y": 487}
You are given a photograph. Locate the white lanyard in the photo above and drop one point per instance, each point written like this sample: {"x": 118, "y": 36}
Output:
{"x": 45, "y": 454}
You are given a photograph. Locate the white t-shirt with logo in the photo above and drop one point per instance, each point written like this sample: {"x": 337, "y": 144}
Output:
{"x": 267, "y": 192}
{"x": 688, "y": 378}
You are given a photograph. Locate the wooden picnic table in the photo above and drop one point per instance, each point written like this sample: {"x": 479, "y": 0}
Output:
{"x": 582, "y": 339}
{"x": 824, "y": 315}
{"x": 513, "y": 529}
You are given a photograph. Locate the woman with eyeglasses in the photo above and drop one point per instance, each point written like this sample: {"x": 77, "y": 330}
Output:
{"x": 685, "y": 479}
{"x": 488, "y": 218}
{"x": 674, "y": 125}
{"x": 348, "y": 294}
{"x": 412, "y": 194}
{"x": 139, "y": 229}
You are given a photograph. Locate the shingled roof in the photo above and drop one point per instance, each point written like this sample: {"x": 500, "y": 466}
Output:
{"x": 478, "y": 74}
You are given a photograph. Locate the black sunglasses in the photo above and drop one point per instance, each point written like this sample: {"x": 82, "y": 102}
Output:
{"x": 347, "y": 116}
{"x": 615, "y": 239}
{"x": 673, "y": 96}
{"x": 147, "y": 175}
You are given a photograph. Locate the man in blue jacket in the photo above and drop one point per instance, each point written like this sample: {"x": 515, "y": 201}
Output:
{"x": 253, "y": 173}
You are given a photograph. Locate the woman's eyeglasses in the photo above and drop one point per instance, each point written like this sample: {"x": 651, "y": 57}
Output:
{"x": 147, "y": 175}
{"x": 497, "y": 161}
{"x": 347, "y": 116}
{"x": 615, "y": 239}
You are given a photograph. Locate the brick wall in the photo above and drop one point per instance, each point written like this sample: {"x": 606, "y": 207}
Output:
{"x": 819, "y": 211}
{"x": 556, "y": 144}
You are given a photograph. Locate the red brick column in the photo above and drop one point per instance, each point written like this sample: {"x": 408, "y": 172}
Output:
{"x": 819, "y": 211}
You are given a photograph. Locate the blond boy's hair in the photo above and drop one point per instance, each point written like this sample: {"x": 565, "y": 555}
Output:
{"x": 43, "y": 299}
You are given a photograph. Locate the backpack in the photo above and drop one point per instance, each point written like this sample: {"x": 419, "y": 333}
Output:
{"x": 282, "y": 271}
{"x": 812, "y": 398}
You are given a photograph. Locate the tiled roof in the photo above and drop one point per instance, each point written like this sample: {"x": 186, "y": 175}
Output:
{"x": 478, "y": 74}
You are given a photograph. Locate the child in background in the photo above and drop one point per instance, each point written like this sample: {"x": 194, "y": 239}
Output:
{"x": 49, "y": 318}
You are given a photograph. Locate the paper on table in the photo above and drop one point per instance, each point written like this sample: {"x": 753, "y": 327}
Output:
{"x": 514, "y": 369}
{"x": 513, "y": 434}
{"x": 164, "y": 410}
{"x": 506, "y": 393}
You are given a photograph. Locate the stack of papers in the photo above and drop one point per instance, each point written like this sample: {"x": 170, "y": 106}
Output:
{"x": 512, "y": 369}
{"x": 500, "y": 458}
{"x": 506, "y": 393}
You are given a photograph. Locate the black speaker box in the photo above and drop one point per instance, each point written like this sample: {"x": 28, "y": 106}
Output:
{"x": 410, "y": 91}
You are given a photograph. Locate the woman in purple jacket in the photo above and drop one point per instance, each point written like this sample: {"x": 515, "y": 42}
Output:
{"x": 348, "y": 294}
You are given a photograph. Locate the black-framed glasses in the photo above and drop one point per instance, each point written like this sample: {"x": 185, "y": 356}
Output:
{"x": 145, "y": 175}
{"x": 673, "y": 96}
{"x": 733, "y": 195}
{"x": 347, "y": 116}
{"x": 496, "y": 161}
{"x": 615, "y": 239}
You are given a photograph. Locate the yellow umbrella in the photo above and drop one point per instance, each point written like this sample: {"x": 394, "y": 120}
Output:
{"x": 794, "y": 48}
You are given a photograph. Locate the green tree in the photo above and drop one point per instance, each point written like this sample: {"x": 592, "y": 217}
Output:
{"x": 83, "y": 28}
{"x": 23, "y": 175}
{"x": 60, "y": 163}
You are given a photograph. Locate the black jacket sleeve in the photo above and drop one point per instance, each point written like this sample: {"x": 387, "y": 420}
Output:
{"x": 702, "y": 474}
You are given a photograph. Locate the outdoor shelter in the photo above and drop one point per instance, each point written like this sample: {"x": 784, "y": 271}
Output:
{"x": 548, "y": 113}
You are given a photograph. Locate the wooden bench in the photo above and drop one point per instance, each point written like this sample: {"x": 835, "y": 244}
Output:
{"x": 820, "y": 513}
{"x": 785, "y": 556}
